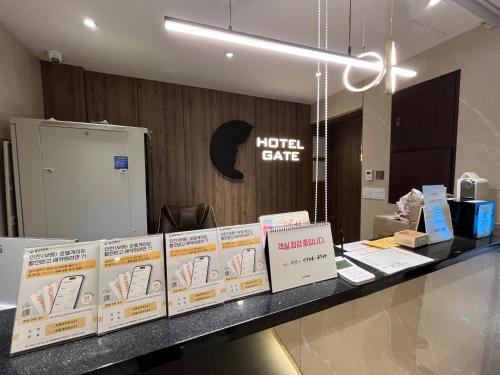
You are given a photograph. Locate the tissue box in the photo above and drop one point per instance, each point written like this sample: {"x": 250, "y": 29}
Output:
{"x": 387, "y": 225}
{"x": 473, "y": 218}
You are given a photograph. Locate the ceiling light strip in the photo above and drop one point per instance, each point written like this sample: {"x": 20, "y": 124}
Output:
{"x": 250, "y": 40}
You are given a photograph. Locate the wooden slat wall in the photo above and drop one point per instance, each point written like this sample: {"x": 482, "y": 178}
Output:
{"x": 202, "y": 114}
{"x": 270, "y": 187}
{"x": 182, "y": 120}
{"x": 112, "y": 98}
{"x": 238, "y": 200}
{"x": 63, "y": 92}
{"x": 303, "y": 183}
{"x": 161, "y": 111}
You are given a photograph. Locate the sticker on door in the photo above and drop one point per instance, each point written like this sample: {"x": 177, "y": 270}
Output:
{"x": 121, "y": 162}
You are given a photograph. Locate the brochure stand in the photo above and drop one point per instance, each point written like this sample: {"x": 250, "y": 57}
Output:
{"x": 435, "y": 217}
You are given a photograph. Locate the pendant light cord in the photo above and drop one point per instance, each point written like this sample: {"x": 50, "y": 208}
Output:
{"x": 318, "y": 89}
{"x": 230, "y": 16}
{"x": 392, "y": 15}
{"x": 363, "y": 44}
{"x": 349, "y": 48}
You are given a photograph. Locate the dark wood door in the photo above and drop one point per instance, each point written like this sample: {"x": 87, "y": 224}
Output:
{"x": 344, "y": 176}
{"x": 424, "y": 135}
{"x": 344, "y": 170}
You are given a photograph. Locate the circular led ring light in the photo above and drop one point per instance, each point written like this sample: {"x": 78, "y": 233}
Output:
{"x": 375, "y": 82}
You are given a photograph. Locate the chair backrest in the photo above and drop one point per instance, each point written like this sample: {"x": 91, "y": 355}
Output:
{"x": 184, "y": 218}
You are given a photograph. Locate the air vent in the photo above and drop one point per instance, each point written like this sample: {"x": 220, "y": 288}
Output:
{"x": 487, "y": 11}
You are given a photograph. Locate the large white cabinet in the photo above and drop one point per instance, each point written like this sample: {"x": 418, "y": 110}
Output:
{"x": 72, "y": 179}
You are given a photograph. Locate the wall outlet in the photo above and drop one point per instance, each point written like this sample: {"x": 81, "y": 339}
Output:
{"x": 369, "y": 175}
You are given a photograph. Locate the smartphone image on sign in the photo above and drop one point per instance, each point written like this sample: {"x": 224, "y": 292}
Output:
{"x": 200, "y": 270}
{"x": 247, "y": 261}
{"x": 67, "y": 294}
{"x": 140, "y": 281}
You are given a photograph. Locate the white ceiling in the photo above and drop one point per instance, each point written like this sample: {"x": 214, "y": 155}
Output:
{"x": 131, "y": 39}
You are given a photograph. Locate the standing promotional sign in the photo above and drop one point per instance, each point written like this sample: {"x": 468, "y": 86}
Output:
{"x": 57, "y": 296}
{"x": 436, "y": 214}
{"x": 300, "y": 255}
{"x": 243, "y": 260}
{"x": 194, "y": 274}
{"x": 131, "y": 282}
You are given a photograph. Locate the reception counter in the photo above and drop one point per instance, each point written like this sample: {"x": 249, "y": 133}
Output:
{"x": 305, "y": 311}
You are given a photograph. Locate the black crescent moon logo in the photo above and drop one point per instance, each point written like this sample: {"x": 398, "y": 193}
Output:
{"x": 224, "y": 147}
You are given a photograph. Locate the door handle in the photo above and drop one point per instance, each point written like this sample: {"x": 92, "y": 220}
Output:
{"x": 48, "y": 170}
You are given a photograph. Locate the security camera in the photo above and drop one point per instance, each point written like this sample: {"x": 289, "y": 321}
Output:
{"x": 54, "y": 56}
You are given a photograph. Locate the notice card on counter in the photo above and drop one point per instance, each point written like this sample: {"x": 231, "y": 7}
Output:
{"x": 131, "y": 282}
{"x": 194, "y": 275}
{"x": 286, "y": 219}
{"x": 243, "y": 260}
{"x": 436, "y": 214}
{"x": 300, "y": 255}
{"x": 57, "y": 296}
{"x": 389, "y": 260}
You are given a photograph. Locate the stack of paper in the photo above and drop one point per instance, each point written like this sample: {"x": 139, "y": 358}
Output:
{"x": 389, "y": 260}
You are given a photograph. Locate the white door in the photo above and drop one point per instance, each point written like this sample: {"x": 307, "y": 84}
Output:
{"x": 85, "y": 196}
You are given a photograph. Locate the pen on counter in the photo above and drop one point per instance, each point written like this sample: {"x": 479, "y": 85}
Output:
{"x": 341, "y": 243}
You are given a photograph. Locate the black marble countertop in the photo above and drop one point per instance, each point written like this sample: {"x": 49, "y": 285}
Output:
{"x": 151, "y": 344}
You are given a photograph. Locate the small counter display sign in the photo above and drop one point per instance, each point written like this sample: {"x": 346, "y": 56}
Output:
{"x": 300, "y": 255}
{"x": 57, "y": 297}
{"x": 131, "y": 282}
{"x": 435, "y": 216}
{"x": 243, "y": 260}
{"x": 194, "y": 274}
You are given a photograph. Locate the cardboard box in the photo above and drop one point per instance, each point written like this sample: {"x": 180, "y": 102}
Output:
{"x": 387, "y": 225}
{"x": 411, "y": 238}
{"x": 414, "y": 212}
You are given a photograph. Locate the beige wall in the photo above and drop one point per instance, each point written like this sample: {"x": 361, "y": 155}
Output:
{"x": 20, "y": 82}
{"x": 339, "y": 104}
{"x": 20, "y": 94}
{"x": 477, "y": 54}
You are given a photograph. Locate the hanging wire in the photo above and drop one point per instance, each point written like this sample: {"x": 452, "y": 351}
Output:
{"x": 326, "y": 113}
{"x": 363, "y": 43}
{"x": 392, "y": 15}
{"x": 349, "y": 48}
{"x": 318, "y": 88}
{"x": 230, "y": 16}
